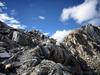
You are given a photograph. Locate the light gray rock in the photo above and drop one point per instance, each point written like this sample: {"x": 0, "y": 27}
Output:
{"x": 4, "y": 55}
{"x": 47, "y": 67}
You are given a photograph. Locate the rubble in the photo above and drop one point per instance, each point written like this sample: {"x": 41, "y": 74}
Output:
{"x": 32, "y": 53}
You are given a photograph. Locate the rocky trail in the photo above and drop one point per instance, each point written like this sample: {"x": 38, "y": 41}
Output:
{"x": 32, "y": 53}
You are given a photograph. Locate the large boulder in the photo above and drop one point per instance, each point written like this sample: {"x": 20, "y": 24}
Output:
{"x": 21, "y": 38}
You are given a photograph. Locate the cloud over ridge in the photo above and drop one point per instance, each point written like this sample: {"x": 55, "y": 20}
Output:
{"x": 59, "y": 35}
{"x": 11, "y": 21}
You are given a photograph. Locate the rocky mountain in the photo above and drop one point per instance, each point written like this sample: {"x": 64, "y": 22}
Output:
{"x": 32, "y": 53}
{"x": 84, "y": 43}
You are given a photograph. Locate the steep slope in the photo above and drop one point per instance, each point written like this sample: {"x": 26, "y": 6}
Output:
{"x": 32, "y": 53}
{"x": 85, "y": 43}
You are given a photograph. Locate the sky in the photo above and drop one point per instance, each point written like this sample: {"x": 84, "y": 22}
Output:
{"x": 55, "y": 18}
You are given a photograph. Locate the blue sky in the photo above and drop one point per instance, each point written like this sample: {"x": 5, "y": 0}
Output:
{"x": 50, "y": 16}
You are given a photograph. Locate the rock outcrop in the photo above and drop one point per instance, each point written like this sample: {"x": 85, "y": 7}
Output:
{"x": 85, "y": 44}
{"x": 32, "y": 53}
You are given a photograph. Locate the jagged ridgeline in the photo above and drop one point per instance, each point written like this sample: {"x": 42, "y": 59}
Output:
{"x": 32, "y": 53}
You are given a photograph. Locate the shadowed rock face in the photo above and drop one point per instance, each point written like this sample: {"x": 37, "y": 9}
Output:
{"x": 31, "y": 53}
{"x": 85, "y": 43}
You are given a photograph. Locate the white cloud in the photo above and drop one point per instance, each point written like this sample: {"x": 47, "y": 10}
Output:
{"x": 13, "y": 12}
{"x": 1, "y": 4}
{"x": 46, "y": 33}
{"x": 59, "y": 35}
{"x": 18, "y": 26}
{"x": 81, "y": 13}
{"x": 4, "y": 17}
{"x": 95, "y": 21}
{"x": 14, "y": 21}
{"x": 41, "y": 17}
{"x": 9, "y": 20}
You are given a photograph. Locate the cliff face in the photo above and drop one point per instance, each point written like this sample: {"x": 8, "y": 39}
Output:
{"x": 85, "y": 43}
{"x": 32, "y": 53}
